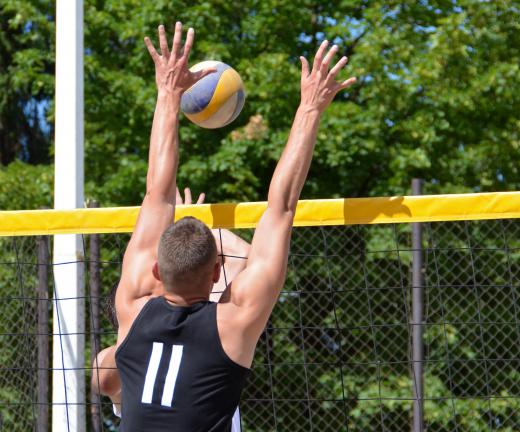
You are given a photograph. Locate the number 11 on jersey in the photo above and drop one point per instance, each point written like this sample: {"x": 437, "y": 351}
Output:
{"x": 171, "y": 375}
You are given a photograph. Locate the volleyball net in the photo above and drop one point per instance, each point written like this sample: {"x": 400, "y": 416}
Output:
{"x": 396, "y": 312}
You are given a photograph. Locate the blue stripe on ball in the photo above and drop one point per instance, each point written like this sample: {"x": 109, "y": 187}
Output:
{"x": 197, "y": 97}
{"x": 241, "y": 98}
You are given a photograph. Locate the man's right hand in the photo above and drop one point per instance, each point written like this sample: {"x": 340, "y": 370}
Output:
{"x": 171, "y": 68}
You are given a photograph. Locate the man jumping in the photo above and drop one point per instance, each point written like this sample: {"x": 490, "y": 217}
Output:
{"x": 232, "y": 255}
{"x": 183, "y": 360}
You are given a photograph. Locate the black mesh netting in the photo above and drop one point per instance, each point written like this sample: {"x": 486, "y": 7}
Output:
{"x": 336, "y": 355}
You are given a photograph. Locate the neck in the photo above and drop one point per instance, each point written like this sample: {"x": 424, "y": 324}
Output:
{"x": 179, "y": 300}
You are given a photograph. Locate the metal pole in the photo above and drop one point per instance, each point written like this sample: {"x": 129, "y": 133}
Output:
{"x": 417, "y": 320}
{"x": 42, "y": 294}
{"x": 95, "y": 289}
{"x": 68, "y": 377}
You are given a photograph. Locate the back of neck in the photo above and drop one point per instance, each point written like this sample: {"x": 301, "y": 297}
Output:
{"x": 178, "y": 300}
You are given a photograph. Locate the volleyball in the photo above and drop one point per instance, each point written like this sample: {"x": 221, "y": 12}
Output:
{"x": 217, "y": 99}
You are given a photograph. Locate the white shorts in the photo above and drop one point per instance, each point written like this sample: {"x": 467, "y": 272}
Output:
{"x": 235, "y": 423}
{"x": 117, "y": 409}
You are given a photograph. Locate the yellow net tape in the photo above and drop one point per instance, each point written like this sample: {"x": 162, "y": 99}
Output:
{"x": 350, "y": 211}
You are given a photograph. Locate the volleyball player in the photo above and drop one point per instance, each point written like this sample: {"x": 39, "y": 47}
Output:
{"x": 232, "y": 255}
{"x": 182, "y": 360}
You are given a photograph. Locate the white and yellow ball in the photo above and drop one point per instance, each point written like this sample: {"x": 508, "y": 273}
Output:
{"x": 217, "y": 99}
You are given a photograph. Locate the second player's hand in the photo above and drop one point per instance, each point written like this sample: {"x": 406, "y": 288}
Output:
{"x": 187, "y": 197}
{"x": 319, "y": 85}
{"x": 171, "y": 68}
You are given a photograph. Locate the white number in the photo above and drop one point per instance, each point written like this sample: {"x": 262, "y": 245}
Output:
{"x": 171, "y": 375}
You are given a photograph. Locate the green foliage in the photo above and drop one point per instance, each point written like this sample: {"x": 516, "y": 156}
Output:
{"x": 17, "y": 326}
{"x": 437, "y": 95}
{"x": 26, "y": 79}
{"x": 22, "y": 184}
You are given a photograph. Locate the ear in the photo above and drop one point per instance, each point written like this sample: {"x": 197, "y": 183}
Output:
{"x": 216, "y": 272}
{"x": 155, "y": 271}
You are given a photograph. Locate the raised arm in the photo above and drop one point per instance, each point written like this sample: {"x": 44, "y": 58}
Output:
{"x": 255, "y": 291}
{"x": 233, "y": 253}
{"x": 105, "y": 376}
{"x": 172, "y": 77}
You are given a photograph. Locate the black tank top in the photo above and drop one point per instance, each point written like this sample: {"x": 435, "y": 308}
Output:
{"x": 175, "y": 375}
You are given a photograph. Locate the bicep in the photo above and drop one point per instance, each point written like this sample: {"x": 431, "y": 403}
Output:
{"x": 255, "y": 291}
{"x": 270, "y": 249}
{"x": 154, "y": 217}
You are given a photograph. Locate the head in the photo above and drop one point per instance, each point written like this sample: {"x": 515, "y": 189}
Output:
{"x": 187, "y": 258}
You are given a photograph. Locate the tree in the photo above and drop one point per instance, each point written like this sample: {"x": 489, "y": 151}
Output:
{"x": 437, "y": 97}
{"x": 26, "y": 79}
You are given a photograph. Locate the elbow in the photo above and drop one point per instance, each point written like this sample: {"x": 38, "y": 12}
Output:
{"x": 282, "y": 210}
{"x": 282, "y": 204}
{"x": 282, "y": 197}
{"x": 159, "y": 195}
{"x": 105, "y": 376}
{"x": 96, "y": 382}
{"x": 104, "y": 384}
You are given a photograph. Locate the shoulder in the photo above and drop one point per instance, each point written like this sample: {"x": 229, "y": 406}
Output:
{"x": 129, "y": 299}
{"x": 127, "y": 312}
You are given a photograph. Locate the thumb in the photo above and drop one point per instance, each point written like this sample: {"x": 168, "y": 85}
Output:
{"x": 201, "y": 199}
{"x": 347, "y": 83}
{"x": 202, "y": 73}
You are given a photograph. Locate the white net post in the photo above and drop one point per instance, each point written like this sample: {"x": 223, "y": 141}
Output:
{"x": 68, "y": 378}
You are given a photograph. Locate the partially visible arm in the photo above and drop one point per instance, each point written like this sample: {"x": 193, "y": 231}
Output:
{"x": 105, "y": 376}
{"x": 255, "y": 291}
{"x": 233, "y": 253}
{"x": 158, "y": 207}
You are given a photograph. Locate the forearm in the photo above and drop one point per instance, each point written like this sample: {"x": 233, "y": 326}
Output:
{"x": 164, "y": 147}
{"x": 230, "y": 245}
{"x": 234, "y": 251}
{"x": 291, "y": 171}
